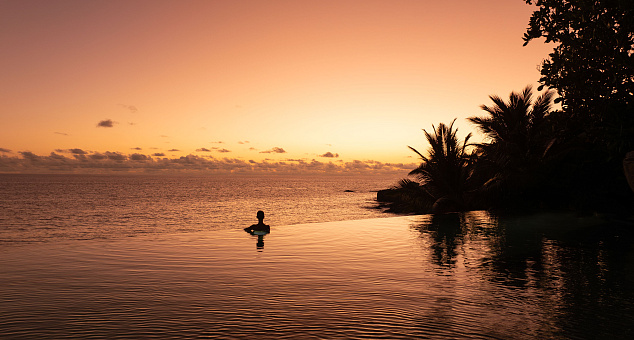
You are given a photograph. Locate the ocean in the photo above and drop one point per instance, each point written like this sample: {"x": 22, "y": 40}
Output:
{"x": 45, "y": 208}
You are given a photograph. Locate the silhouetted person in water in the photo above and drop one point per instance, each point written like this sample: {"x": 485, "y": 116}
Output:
{"x": 259, "y": 229}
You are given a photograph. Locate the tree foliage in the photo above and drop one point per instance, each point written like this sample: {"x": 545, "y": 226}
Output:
{"x": 592, "y": 69}
{"x": 447, "y": 170}
{"x": 518, "y": 141}
{"x": 516, "y": 128}
{"x": 592, "y": 65}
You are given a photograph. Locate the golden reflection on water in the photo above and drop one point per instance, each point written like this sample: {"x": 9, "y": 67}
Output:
{"x": 470, "y": 275}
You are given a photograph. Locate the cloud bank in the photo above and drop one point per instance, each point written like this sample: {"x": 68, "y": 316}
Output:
{"x": 80, "y": 161}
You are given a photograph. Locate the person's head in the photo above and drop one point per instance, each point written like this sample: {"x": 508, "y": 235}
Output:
{"x": 260, "y": 215}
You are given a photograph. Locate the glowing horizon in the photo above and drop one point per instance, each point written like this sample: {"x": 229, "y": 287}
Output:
{"x": 330, "y": 81}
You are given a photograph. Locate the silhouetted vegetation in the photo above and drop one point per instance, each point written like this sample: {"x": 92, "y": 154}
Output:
{"x": 534, "y": 157}
{"x": 592, "y": 69}
{"x": 445, "y": 177}
{"x": 518, "y": 145}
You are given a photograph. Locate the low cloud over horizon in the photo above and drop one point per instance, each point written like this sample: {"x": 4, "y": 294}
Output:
{"x": 109, "y": 162}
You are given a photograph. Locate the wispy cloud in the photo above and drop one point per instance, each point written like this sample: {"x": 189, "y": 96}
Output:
{"x": 60, "y": 133}
{"x": 329, "y": 155}
{"x": 137, "y": 148}
{"x": 218, "y": 142}
{"x": 203, "y": 150}
{"x": 274, "y": 150}
{"x": 131, "y": 108}
{"x": 243, "y": 142}
{"x": 5, "y": 150}
{"x": 158, "y": 154}
{"x": 106, "y": 123}
{"x": 173, "y": 150}
{"x": 223, "y": 150}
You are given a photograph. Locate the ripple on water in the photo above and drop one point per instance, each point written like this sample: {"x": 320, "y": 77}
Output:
{"x": 381, "y": 278}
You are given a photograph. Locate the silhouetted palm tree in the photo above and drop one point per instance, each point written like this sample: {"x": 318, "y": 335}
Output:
{"x": 517, "y": 138}
{"x": 446, "y": 171}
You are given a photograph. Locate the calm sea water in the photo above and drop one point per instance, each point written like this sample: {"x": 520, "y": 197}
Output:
{"x": 58, "y": 207}
{"x": 458, "y": 276}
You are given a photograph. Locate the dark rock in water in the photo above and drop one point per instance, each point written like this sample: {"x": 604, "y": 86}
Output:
{"x": 628, "y": 168}
{"x": 348, "y": 191}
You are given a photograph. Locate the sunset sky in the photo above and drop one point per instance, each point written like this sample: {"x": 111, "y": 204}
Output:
{"x": 252, "y": 83}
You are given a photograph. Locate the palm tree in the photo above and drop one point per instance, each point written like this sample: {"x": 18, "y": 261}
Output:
{"x": 517, "y": 138}
{"x": 516, "y": 125}
{"x": 446, "y": 171}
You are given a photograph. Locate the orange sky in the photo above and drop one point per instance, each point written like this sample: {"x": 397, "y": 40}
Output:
{"x": 243, "y": 79}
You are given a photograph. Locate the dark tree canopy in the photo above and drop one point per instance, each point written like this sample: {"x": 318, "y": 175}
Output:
{"x": 592, "y": 66}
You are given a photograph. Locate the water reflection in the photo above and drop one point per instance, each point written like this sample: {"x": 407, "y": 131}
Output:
{"x": 578, "y": 272}
{"x": 260, "y": 235}
{"x": 445, "y": 231}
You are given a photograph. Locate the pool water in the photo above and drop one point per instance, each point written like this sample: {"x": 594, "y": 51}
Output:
{"x": 466, "y": 276}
